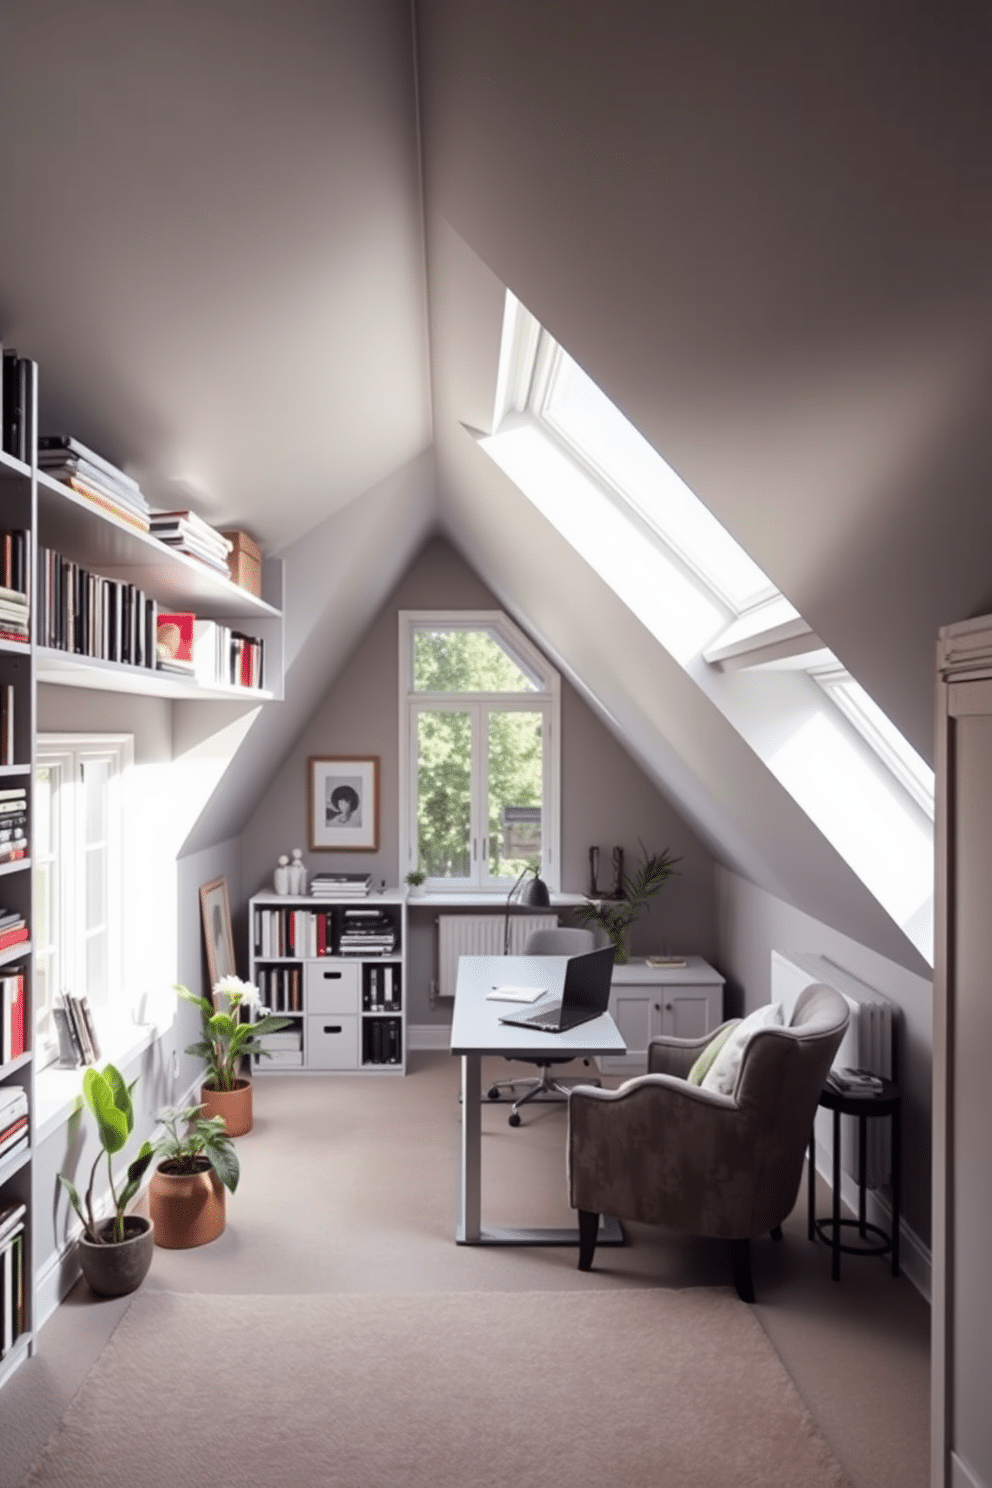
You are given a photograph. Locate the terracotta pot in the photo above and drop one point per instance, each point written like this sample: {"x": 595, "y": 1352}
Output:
{"x": 187, "y": 1208}
{"x": 118, "y": 1268}
{"x": 234, "y": 1105}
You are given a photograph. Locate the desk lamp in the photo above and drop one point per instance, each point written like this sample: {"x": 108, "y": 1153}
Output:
{"x": 534, "y": 893}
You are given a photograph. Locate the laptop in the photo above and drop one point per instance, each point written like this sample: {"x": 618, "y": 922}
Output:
{"x": 585, "y": 995}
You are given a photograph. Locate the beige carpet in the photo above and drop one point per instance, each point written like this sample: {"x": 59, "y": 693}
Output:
{"x": 467, "y": 1390}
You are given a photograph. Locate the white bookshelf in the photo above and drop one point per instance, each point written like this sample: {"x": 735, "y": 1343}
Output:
{"x": 347, "y": 1011}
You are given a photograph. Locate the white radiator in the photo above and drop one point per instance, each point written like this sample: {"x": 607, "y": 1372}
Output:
{"x": 480, "y": 935}
{"x": 867, "y": 1044}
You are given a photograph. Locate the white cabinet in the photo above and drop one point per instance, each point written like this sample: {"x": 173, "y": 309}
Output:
{"x": 679, "y": 1001}
{"x": 346, "y": 1005}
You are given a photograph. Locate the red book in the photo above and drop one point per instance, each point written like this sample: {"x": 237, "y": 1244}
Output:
{"x": 17, "y": 1019}
{"x": 10, "y": 1131}
{"x": 12, "y": 936}
{"x": 175, "y": 636}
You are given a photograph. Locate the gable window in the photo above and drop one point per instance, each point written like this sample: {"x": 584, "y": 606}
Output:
{"x": 78, "y": 852}
{"x": 479, "y": 713}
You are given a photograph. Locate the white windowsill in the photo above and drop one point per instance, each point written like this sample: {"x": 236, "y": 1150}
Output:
{"x": 491, "y": 901}
{"x": 57, "y": 1091}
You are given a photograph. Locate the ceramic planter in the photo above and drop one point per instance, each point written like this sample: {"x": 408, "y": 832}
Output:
{"x": 234, "y": 1105}
{"x": 187, "y": 1208}
{"x": 118, "y": 1268}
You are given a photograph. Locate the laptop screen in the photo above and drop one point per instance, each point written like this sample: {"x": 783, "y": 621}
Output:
{"x": 587, "y": 980}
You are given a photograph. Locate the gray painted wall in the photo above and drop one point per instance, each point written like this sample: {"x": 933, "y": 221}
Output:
{"x": 752, "y": 923}
{"x": 606, "y": 798}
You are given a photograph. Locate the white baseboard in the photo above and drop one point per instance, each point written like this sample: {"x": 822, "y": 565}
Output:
{"x": 420, "y": 1036}
{"x": 915, "y": 1260}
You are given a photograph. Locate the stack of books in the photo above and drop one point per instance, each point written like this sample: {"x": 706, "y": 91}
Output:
{"x": 11, "y": 1014}
{"x": 15, "y": 405}
{"x": 340, "y": 885}
{"x": 14, "y": 566}
{"x": 102, "y": 484}
{"x": 78, "y": 1043}
{"x": 13, "y": 614}
{"x": 13, "y": 1120}
{"x": 13, "y": 823}
{"x": 13, "y": 928}
{"x": 849, "y": 1081}
{"x": 13, "y": 1313}
{"x": 193, "y": 536}
{"x": 366, "y": 932}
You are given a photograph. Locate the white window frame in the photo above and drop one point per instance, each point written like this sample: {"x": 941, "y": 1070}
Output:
{"x": 70, "y": 753}
{"x": 546, "y": 700}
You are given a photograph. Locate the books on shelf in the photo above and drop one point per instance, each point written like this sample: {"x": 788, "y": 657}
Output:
{"x": 88, "y": 615}
{"x": 16, "y": 383}
{"x": 11, "y": 1014}
{"x": 366, "y": 932}
{"x": 96, "y": 479}
{"x": 211, "y": 652}
{"x": 13, "y": 1313}
{"x": 340, "y": 885}
{"x": 281, "y": 988}
{"x": 382, "y": 1041}
{"x": 13, "y": 928}
{"x": 13, "y": 1119}
{"x": 76, "y": 1030}
{"x": 14, "y": 571}
{"x": 190, "y": 534}
{"x": 8, "y": 698}
{"x": 13, "y": 824}
{"x": 293, "y": 934}
{"x": 381, "y": 989}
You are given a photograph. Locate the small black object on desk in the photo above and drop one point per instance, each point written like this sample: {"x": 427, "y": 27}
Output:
{"x": 886, "y": 1102}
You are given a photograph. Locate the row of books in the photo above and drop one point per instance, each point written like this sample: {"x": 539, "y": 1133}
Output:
{"x": 13, "y": 928}
{"x": 210, "y": 652}
{"x": 13, "y": 823}
{"x": 89, "y": 615}
{"x": 8, "y": 746}
{"x": 15, "y": 549}
{"x": 97, "y": 480}
{"x": 13, "y": 1310}
{"x": 281, "y": 988}
{"x": 11, "y": 1014}
{"x": 381, "y": 990}
{"x": 340, "y": 885}
{"x": 382, "y": 1041}
{"x": 16, "y": 381}
{"x": 13, "y": 1120}
{"x": 293, "y": 933}
{"x": 78, "y": 1042}
{"x": 190, "y": 534}
{"x": 366, "y": 932}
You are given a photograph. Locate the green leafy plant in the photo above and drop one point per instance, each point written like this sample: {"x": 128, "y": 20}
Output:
{"x": 616, "y": 916}
{"x": 226, "y": 1039}
{"x": 416, "y": 877}
{"x": 109, "y": 1101}
{"x": 204, "y": 1143}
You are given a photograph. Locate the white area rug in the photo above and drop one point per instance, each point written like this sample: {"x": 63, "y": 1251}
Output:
{"x": 459, "y": 1390}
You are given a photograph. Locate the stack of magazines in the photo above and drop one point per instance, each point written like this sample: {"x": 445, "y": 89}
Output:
{"x": 340, "y": 885}
{"x": 91, "y": 476}
{"x": 13, "y": 1119}
{"x": 193, "y": 536}
{"x": 849, "y": 1081}
{"x": 366, "y": 932}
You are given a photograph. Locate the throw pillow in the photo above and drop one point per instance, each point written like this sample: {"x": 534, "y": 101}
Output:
{"x": 723, "y": 1072}
{"x": 706, "y": 1058}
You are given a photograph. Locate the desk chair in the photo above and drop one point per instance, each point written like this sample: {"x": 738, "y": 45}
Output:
{"x": 561, "y": 942}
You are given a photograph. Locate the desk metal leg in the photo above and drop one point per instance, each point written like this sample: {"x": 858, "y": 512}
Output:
{"x": 896, "y": 1183}
{"x": 835, "y": 1238}
{"x": 469, "y": 1222}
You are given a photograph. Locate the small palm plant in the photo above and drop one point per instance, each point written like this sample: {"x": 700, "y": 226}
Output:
{"x": 617, "y": 915}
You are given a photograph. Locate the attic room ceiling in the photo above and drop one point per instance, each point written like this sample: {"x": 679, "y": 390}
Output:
{"x": 212, "y": 245}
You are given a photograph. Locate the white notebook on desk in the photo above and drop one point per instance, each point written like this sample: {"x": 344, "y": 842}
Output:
{"x": 515, "y": 994}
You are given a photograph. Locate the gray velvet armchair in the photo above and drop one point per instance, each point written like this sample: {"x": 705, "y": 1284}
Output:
{"x": 662, "y": 1151}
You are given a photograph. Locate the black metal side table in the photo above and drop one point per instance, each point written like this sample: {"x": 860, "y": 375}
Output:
{"x": 874, "y": 1240}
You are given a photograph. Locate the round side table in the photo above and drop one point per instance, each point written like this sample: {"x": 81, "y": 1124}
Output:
{"x": 873, "y": 1240}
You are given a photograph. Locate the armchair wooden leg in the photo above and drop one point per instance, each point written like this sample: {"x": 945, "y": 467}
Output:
{"x": 588, "y": 1233}
{"x": 740, "y": 1260}
{"x": 777, "y": 1232}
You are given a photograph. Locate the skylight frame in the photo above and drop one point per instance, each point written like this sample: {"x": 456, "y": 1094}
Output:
{"x": 880, "y": 734}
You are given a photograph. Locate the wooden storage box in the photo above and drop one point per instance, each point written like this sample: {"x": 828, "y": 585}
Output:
{"x": 245, "y": 562}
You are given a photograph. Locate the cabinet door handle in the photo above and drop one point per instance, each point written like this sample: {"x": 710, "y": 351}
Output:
{"x": 332, "y": 1027}
{"x": 331, "y": 976}
{"x": 668, "y": 1007}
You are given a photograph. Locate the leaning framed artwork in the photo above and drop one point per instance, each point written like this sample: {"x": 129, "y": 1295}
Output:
{"x": 218, "y": 938}
{"x": 344, "y": 803}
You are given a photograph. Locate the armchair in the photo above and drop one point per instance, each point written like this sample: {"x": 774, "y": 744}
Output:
{"x": 663, "y": 1151}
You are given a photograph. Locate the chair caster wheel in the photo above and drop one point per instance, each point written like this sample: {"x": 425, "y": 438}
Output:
{"x": 513, "y": 1118}
{"x": 494, "y": 1093}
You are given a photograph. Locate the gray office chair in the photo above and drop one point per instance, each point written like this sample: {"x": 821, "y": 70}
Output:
{"x": 560, "y": 942}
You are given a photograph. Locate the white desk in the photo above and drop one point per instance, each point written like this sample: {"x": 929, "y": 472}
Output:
{"x": 475, "y": 1031}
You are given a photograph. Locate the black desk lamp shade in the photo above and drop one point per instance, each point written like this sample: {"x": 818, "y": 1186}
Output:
{"x": 534, "y": 894}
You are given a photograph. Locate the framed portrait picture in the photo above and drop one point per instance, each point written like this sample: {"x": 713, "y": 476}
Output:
{"x": 215, "y": 911}
{"x": 344, "y": 804}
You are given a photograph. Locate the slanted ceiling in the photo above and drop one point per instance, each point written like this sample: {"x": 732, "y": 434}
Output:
{"x": 765, "y": 233}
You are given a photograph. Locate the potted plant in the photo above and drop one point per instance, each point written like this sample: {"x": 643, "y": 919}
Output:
{"x": 616, "y": 916}
{"x": 186, "y": 1196}
{"x": 415, "y": 879}
{"x": 227, "y": 1039}
{"x": 114, "y": 1253}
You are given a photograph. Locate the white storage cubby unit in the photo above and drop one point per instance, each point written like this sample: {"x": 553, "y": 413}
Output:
{"x": 346, "y": 1002}
{"x": 680, "y": 1001}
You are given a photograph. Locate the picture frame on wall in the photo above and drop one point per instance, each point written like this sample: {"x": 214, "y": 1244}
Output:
{"x": 344, "y": 803}
{"x": 218, "y": 937}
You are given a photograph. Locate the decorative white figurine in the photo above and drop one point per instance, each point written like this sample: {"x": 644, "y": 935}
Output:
{"x": 280, "y": 878}
{"x": 297, "y": 873}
